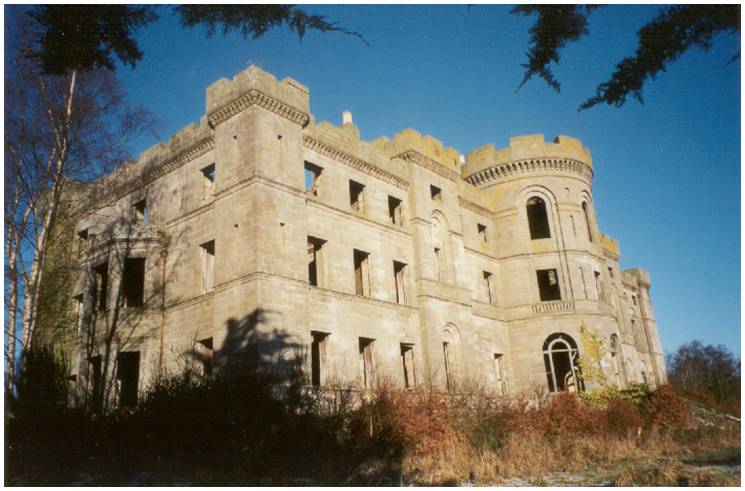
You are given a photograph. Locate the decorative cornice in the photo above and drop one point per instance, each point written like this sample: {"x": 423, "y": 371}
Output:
{"x": 353, "y": 162}
{"x": 429, "y": 164}
{"x": 520, "y": 167}
{"x": 478, "y": 209}
{"x": 122, "y": 189}
{"x": 256, "y": 97}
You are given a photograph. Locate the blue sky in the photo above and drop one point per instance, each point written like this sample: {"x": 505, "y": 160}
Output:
{"x": 667, "y": 173}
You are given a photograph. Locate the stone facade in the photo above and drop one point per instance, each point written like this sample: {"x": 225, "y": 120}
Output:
{"x": 397, "y": 259}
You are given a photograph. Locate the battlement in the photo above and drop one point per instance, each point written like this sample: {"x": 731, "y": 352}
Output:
{"x": 426, "y": 145}
{"x": 287, "y": 91}
{"x": 527, "y": 147}
{"x": 610, "y": 245}
{"x": 637, "y": 277}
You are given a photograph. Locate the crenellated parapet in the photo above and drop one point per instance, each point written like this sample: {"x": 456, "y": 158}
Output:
{"x": 637, "y": 277}
{"x": 411, "y": 146}
{"x": 184, "y": 146}
{"x": 610, "y": 247}
{"x": 288, "y": 98}
{"x": 344, "y": 145}
{"x": 528, "y": 155}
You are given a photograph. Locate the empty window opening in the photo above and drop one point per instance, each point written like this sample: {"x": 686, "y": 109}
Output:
{"x": 487, "y": 285}
{"x": 100, "y": 286}
{"x": 574, "y": 227}
{"x": 633, "y": 298}
{"x": 208, "y": 266}
{"x": 407, "y": 360}
{"x": 482, "y": 233}
{"x": 616, "y": 360}
{"x": 357, "y": 196}
{"x": 208, "y": 180}
{"x": 394, "y": 211}
{"x": 538, "y": 219}
{"x": 548, "y": 285}
{"x": 366, "y": 362}
{"x": 128, "y": 377}
{"x": 499, "y": 373}
{"x": 448, "y": 358}
{"x": 435, "y": 193}
{"x": 94, "y": 382}
{"x": 140, "y": 211}
{"x": 315, "y": 261}
{"x": 599, "y": 287}
{"x": 362, "y": 273}
{"x": 79, "y": 312}
{"x": 82, "y": 242}
{"x": 438, "y": 261}
{"x": 204, "y": 354}
{"x": 399, "y": 275}
{"x": 561, "y": 359}
{"x": 584, "y": 283}
{"x": 319, "y": 341}
{"x": 586, "y": 213}
{"x": 312, "y": 178}
{"x": 610, "y": 272}
{"x": 133, "y": 282}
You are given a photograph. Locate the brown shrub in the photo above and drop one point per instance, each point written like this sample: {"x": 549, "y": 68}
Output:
{"x": 623, "y": 417}
{"x": 565, "y": 414}
{"x": 666, "y": 410}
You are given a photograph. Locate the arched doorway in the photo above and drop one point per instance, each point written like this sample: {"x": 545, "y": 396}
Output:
{"x": 561, "y": 357}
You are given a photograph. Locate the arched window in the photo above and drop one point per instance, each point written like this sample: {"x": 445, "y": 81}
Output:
{"x": 586, "y": 213}
{"x": 616, "y": 361}
{"x": 561, "y": 358}
{"x": 537, "y": 219}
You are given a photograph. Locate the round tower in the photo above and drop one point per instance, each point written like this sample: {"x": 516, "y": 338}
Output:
{"x": 552, "y": 257}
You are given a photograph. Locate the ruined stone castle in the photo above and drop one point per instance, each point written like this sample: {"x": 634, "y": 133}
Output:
{"x": 397, "y": 259}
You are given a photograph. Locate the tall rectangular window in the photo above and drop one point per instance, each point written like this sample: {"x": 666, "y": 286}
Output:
{"x": 82, "y": 242}
{"x": 584, "y": 283}
{"x": 127, "y": 377}
{"x": 438, "y": 263}
{"x": 208, "y": 180}
{"x": 548, "y": 285}
{"x": 367, "y": 362}
{"x": 100, "y": 286}
{"x": 315, "y": 261}
{"x": 399, "y": 274}
{"x": 319, "y": 341}
{"x": 487, "y": 282}
{"x": 357, "y": 196}
{"x": 312, "y": 178}
{"x": 208, "y": 266}
{"x": 79, "y": 312}
{"x": 140, "y": 211}
{"x": 599, "y": 287}
{"x": 447, "y": 355}
{"x": 407, "y": 360}
{"x": 361, "y": 273}
{"x": 482, "y": 232}
{"x": 133, "y": 281}
{"x": 499, "y": 373}
{"x": 394, "y": 211}
{"x": 94, "y": 382}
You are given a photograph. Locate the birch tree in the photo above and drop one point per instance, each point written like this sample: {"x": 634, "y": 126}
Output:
{"x": 59, "y": 130}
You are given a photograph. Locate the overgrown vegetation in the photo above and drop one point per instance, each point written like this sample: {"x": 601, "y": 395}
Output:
{"x": 254, "y": 425}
